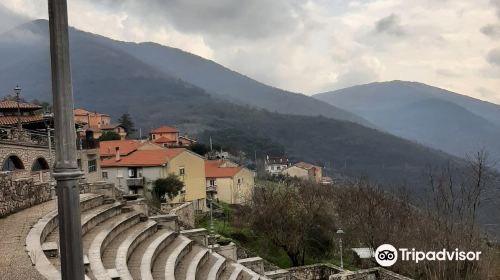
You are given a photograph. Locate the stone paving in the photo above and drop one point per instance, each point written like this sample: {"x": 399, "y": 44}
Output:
{"x": 14, "y": 261}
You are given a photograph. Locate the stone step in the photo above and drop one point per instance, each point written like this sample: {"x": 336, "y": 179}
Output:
{"x": 216, "y": 268}
{"x": 197, "y": 261}
{"x": 155, "y": 249}
{"x": 109, "y": 255}
{"x": 135, "y": 259}
{"x": 230, "y": 272}
{"x": 176, "y": 256}
{"x": 159, "y": 265}
{"x": 39, "y": 232}
{"x": 129, "y": 246}
{"x": 104, "y": 238}
{"x": 206, "y": 267}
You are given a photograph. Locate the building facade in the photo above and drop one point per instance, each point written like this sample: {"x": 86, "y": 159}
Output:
{"x": 135, "y": 165}
{"x": 233, "y": 184}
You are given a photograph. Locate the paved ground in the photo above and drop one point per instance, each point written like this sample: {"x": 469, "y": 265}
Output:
{"x": 14, "y": 261}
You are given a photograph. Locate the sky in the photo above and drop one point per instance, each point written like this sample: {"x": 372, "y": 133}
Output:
{"x": 312, "y": 46}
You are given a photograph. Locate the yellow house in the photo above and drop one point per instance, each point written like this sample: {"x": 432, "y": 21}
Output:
{"x": 305, "y": 171}
{"x": 234, "y": 184}
{"x": 137, "y": 164}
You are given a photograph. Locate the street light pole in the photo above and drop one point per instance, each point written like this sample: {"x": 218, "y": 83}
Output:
{"x": 17, "y": 91}
{"x": 340, "y": 232}
{"x": 66, "y": 170}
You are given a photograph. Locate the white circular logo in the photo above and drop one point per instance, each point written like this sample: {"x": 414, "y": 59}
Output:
{"x": 386, "y": 255}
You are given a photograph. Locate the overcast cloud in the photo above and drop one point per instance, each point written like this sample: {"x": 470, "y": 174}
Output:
{"x": 315, "y": 45}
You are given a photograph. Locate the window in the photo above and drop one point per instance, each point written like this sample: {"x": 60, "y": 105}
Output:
{"x": 12, "y": 163}
{"x": 40, "y": 164}
{"x": 239, "y": 181}
{"x": 105, "y": 174}
{"x": 211, "y": 182}
{"x": 79, "y": 163}
{"x": 182, "y": 171}
{"x": 92, "y": 165}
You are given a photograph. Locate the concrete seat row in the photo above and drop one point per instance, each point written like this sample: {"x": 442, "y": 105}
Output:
{"x": 105, "y": 222}
{"x": 39, "y": 232}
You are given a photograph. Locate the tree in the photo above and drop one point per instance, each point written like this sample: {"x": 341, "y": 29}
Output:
{"x": 126, "y": 122}
{"x": 167, "y": 187}
{"x": 295, "y": 217}
{"x": 109, "y": 135}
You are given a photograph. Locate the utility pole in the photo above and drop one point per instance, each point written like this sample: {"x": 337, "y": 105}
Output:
{"x": 66, "y": 170}
{"x": 17, "y": 91}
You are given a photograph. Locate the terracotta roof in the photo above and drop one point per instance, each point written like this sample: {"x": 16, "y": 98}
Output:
{"x": 162, "y": 140}
{"x": 108, "y": 148}
{"x": 213, "y": 169}
{"x": 165, "y": 129}
{"x": 11, "y": 120}
{"x": 143, "y": 158}
{"x": 306, "y": 165}
{"x": 80, "y": 112}
{"x": 11, "y": 104}
{"x": 83, "y": 112}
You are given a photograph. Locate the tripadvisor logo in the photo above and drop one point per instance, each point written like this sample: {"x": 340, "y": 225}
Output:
{"x": 387, "y": 255}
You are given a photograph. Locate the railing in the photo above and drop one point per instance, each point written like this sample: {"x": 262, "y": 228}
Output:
{"x": 86, "y": 143}
{"x": 24, "y": 136}
{"x": 135, "y": 182}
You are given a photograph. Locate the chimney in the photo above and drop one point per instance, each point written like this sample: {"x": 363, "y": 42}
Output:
{"x": 117, "y": 156}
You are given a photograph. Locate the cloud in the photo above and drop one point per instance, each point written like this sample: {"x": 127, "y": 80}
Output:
{"x": 9, "y": 19}
{"x": 491, "y": 30}
{"x": 250, "y": 19}
{"x": 493, "y": 56}
{"x": 390, "y": 24}
{"x": 447, "y": 73}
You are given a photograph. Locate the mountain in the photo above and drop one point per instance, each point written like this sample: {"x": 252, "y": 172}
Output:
{"x": 438, "y": 118}
{"x": 205, "y": 74}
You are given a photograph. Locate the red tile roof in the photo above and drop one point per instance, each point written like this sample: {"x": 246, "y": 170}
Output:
{"x": 83, "y": 112}
{"x": 11, "y": 104}
{"x": 213, "y": 169}
{"x": 11, "y": 120}
{"x": 165, "y": 129}
{"x": 144, "y": 158}
{"x": 162, "y": 140}
{"x": 108, "y": 148}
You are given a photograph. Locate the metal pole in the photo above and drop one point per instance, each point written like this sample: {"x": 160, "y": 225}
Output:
{"x": 66, "y": 170}
{"x": 341, "y": 259}
{"x": 18, "y": 91}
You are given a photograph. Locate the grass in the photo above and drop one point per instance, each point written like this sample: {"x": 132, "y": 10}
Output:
{"x": 260, "y": 246}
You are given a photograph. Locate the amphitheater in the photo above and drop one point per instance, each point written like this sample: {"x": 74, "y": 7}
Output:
{"x": 121, "y": 242}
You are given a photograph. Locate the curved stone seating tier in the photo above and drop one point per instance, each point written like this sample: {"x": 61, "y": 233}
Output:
{"x": 176, "y": 255}
{"x": 155, "y": 248}
{"x": 43, "y": 228}
{"x": 236, "y": 272}
{"x": 198, "y": 260}
{"x": 217, "y": 268}
{"x": 128, "y": 246}
{"x": 103, "y": 238}
{"x": 101, "y": 214}
{"x": 120, "y": 244}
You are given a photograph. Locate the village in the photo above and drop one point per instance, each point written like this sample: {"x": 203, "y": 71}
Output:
{"x": 161, "y": 176}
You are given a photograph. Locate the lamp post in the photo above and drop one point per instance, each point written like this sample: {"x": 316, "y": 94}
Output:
{"x": 17, "y": 91}
{"x": 66, "y": 170}
{"x": 211, "y": 190}
{"x": 340, "y": 232}
{"x": 47, "y": 119}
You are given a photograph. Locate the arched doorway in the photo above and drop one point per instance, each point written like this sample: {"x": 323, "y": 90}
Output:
{"x": 40, "y": 164}
{"x": 12, "y": 163}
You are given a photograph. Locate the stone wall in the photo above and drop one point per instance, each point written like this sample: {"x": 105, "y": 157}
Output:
{"x": 17, "y": 194}
{"x": 185, "y": 213}
{"x": 376, "y": 273}
{"x": 28, "y": 154}
{"x": 311, "y": 272}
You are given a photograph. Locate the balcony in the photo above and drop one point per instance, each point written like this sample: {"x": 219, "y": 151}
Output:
{"x": 86, "y": 143}
{"x": 135, "y": 182}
